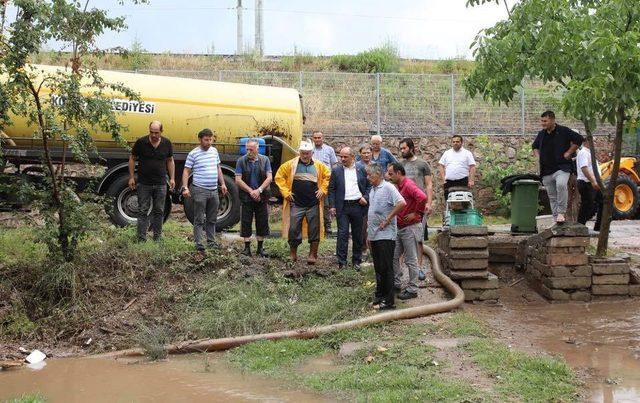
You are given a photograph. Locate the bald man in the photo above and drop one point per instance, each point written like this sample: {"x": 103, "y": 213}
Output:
{"x": 154, "y": 155}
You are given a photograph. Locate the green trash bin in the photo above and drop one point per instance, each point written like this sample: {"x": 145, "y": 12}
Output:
{"x": 524, "y": 205}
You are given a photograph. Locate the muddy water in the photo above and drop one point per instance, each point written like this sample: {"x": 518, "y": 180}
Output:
{"x": 600, "y": 338}
{"x": 195, "y": 378}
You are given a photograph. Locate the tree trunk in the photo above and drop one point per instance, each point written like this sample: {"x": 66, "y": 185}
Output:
{"x": 594, "y": 161}
{"x": 3, "y": 14}
{"x": 607, "y": 208}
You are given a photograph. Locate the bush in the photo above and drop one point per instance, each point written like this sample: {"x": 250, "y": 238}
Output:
{"x": 137, "y": 56}
{"x": 498, "y": 165}
{"x": 383, "y": 59}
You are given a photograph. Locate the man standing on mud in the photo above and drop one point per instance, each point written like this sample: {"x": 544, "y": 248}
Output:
{"x": 154, "y": 154}
{"x": 555, "y": 146}
{"x": 409, "y": 230}
{"x": 385, "y": 202}
{"x": 327, "y": 155}
{"x": 303, "y": 183}
{"x": 457, "y": 166}
{"x": 253, "y": 177}
{"x": 204, "y": 162}
{"x": 348, "y": 194}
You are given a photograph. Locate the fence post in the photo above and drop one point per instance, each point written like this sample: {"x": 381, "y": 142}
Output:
{"x": 378, "y": 102}
{"x": 300, "y": 82}
{"x": 453, "y": 105}
{"x": 219, "y": 75}
{"x": 522, "y": 109}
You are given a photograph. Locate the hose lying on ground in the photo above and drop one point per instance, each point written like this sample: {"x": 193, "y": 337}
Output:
{"x": 226, "y": 343}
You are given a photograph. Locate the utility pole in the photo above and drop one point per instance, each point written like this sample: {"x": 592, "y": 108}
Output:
{"x": 259, "y": 45}
{"x": 239, "y": 29}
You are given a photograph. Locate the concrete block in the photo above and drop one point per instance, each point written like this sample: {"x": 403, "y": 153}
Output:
{"x": 468, "y": 242}
{"x": 481, "y": 295}
{"x": 551, "y": 271}
{"x": 468, "y": 274}
{"x": 569, "y": 230}
{"x": 618, "y": 258}
{"x": 567, "y": 283}
{"x": 465, "y": 230}
{"x": 565, "y": 249}
{"x": 635, "y": 275}
{"x": 567, "y": 259}
{"x": 468, "y": 264}
{"x": 605, "y": 289}
{"x": 610, "y": 268}
{"x": 581, "y": 271}
{"x": 564, "y": 242}
{"x": 634, "y": 290}
{"x": 491, "y": 282}
{"x": 502, "y": 258}
{"x": 611, "y": 279}
{"x": 584, "y": 296}
{"x": 469, "y": 254}
{"x": 553, "y": 294}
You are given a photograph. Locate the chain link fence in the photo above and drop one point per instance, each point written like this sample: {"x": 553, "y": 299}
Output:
{"x": 396, "y": 104}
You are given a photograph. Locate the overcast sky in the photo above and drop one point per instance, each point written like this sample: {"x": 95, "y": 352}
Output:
{"x": 428, "y": 29}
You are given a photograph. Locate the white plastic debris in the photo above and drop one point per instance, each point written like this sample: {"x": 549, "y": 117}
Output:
{"x": 35, "y": 357}
{"x": 37, "y": 366}
{"x": 23, "y": 350}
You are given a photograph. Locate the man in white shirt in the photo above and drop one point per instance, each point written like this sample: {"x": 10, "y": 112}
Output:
{"x": 588, "y": 188}
{"x": 457, "y": 166}
{"x": 348, "y": 201}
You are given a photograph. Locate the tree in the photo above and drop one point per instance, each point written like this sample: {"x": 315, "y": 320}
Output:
{"x": 589, "y": 49}
{"x": 63, "y": 105}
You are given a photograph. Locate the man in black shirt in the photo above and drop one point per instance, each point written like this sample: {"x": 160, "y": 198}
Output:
{"x": 154, "y": 155}
{"x": 555, "y": 145}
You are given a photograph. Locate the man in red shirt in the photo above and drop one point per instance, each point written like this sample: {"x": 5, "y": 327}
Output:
{"x": 409, "y": 230}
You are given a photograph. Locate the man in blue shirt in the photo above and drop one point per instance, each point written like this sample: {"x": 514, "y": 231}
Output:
{"x": 253, "y": 177}
{"x": 555, "y": 146}
{"x": 381, "y": 155}
{"x": 204, "y": 162}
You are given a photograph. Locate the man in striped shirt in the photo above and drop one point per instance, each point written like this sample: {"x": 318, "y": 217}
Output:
{"x": 204, "y": 162}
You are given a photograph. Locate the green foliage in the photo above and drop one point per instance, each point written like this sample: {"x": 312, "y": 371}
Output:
{"x": 16, "y": 325}
{"x": 524, "y": 377}
{"x": 498, "y": 165}
{"x": 64, "y": 105}
{"x": 383, "y": 59}
{"x": 138, "y": 57}
{"x": 462, "y": 324}
{"x": 270, "y": 357}
{"x": 297, "y": 61}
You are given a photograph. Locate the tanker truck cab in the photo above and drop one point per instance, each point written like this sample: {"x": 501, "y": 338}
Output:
{"x": 184, "y": 106}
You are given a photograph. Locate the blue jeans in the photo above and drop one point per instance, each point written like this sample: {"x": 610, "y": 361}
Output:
{"x": 150, "y": 196}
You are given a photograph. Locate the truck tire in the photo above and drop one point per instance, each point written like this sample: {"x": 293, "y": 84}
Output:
{"x": 626, "y": 198}
{"x": 123, "y": 205}
{"x": 228, "y": 210}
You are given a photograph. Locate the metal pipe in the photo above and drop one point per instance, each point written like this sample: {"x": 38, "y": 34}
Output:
{"x": 205, "y": 345}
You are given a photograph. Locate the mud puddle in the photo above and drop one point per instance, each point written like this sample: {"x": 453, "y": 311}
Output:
{"x": 601, "y": 340}
{"x": 193, "y": 378}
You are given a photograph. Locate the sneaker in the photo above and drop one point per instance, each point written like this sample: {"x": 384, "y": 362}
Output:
{"x": 422, "y": 275}
{"x": 560, "y": 219}
{"x": 404, "y": 295}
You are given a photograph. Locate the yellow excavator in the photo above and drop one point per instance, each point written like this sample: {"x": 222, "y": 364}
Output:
{"x": 626, "y": 198}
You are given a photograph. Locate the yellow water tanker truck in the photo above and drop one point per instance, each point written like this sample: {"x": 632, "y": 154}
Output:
{"x": 184, "y": 106}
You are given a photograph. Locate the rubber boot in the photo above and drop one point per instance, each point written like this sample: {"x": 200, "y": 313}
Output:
{"x": 246, "y": 251}
{"x": 294, "y": 254}
{"x": 313, "y": 252}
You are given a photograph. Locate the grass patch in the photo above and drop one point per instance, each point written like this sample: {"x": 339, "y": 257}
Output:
{"x": 271, "y": 357}
{"x": 257, "y": 305}
{"x": 28, "y": 399}
{"x": 18, "y": 246}
{"x": 463, "y": 324}
{"x": 522, "y": 376}
{"x": 152, "y": 339}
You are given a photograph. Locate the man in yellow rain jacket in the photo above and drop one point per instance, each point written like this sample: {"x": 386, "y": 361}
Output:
{"x": 303, "y": 183}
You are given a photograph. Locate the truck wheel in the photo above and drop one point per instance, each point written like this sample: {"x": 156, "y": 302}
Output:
{"x": 123, "y": 209}
{"x": 228, "y": 210}
{"x": 626, "y": 198}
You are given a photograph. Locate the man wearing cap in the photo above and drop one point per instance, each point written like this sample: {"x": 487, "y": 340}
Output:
{"x": 303, "y": 183}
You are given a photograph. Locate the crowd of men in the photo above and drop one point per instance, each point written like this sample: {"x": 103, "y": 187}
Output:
{"x": 379, "y": 202}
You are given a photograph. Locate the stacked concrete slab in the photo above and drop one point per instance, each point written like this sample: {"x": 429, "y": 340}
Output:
{"x": 557, "y": 264}
{"x": 464, "y": 255}
{"x": 612, "y": 276}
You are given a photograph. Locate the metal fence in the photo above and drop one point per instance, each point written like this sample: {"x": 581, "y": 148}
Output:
{"x": 396, "y": 104}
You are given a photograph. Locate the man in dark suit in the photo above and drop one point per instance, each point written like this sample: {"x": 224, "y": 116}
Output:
{"x": 348, "y": 200}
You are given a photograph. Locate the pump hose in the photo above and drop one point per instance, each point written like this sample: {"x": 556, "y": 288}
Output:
{"x": 205, "y": 345}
